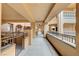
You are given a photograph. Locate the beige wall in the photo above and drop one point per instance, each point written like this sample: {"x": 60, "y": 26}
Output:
{"x": 53, "y": 21}
{"x": 69, "y": 27}
{"x": 46, "y": 26}
{"x": 63, "y": 48}
{"x": 10, "y": 51}
{"x": 0, "y": 28}
{"x": 39, "y": 25}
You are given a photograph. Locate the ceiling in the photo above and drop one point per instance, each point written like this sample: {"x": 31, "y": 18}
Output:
{"x": 36, "y": 12}
{"x": 31, "y": 11}
{"x": 72, "y": 6}
{"x": 56, "y": 10}
{"x": 9, "y": 13}
{"x": 40, "y": 11}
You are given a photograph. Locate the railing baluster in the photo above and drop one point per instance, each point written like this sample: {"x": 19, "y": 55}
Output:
{"x": 66, "y": 38}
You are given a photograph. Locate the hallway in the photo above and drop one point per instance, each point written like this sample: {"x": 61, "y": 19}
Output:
{"x": 39, "y": 29}
{"x": 39, "y": 47}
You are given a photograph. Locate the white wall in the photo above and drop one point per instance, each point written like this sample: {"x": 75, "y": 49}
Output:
{"x": 46, "y": 29}
{"x": 23, "y": 24}
{"x": 60, "y": 22}
{"x": 46, "y": 26}
{"x": 5, "y": 27}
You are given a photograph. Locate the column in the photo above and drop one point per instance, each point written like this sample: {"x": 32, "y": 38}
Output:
{"x": 77, "y": 27}
{"x": 60, "y": 22}
{"x": 46, "y": 29}
{"x": 33, "y": 29}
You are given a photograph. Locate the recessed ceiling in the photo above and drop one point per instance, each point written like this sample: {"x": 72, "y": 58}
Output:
{"x": 31, "y": 11}
{"x": 40, "y": 10}
{"x": 9, "y": 13}
{"x": 36, "y": 11}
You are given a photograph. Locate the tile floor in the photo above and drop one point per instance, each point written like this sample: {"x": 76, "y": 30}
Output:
{"x": 40, "y": 47}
